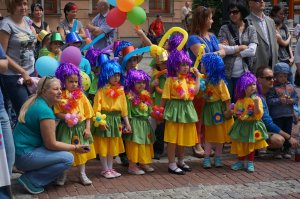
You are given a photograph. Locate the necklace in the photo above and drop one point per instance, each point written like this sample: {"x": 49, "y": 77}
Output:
{"x": 177, "y": 86}
{"x": 143, "y": 99}
{"x": 113, "y": 91}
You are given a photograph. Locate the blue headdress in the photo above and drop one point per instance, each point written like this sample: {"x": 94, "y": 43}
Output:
{"x": 67, "y": 69}
{"x": 109, "y": 69}
{"x": 134, "y": 76}
{"x": 214, "y": 67}
{"x": 175, "y": 59}
{"x": 121, "y": 45}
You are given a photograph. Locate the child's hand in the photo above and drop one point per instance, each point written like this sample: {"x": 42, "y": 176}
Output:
{"x": 155, "y": 82}
{"x": 256, "y": 99}
{"x": 103, "y": 127}
{"x": 228, "y": 113}
{"x": 196, "y": 72}
{"x": 127, "y": 129}
{"x": 86, "y": 133}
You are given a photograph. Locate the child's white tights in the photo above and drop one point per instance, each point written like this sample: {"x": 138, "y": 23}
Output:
{"x": 107, "y": 162}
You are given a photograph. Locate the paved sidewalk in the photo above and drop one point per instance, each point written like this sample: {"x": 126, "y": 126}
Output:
{"x": 278, "y": 178}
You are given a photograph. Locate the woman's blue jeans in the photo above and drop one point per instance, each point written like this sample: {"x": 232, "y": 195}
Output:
{"x": 42, "y": 166}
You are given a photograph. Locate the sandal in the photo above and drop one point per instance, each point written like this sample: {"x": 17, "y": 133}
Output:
{"x": 198, "y": 153}
{"x": 185, "y": 167}
{"x": 176, "y": 171}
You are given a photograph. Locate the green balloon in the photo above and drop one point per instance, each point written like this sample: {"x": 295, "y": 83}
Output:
{"x": 136, "y": 15}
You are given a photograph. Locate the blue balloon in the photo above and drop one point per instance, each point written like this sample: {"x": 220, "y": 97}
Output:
{"x": 112, "y": 2}
{"x": 95, "y": 40}
{"x": 46, "y": 66}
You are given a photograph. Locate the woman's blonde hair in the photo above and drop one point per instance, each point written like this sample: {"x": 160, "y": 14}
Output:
{"x": 43, "y": 85}
{"x": 11, "y": 5}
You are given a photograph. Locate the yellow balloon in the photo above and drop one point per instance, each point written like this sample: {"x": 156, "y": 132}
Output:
{"x": 85, "y": 81}
{"x": 138, "y": 2}
{"x": 199, "y": 56}
{"x": 169, "y": 32}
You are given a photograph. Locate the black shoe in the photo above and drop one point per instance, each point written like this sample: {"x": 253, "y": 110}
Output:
{"x": 176, "y": 171}
{"x": 156, "y": 156}
{"x": 185, "y": 167}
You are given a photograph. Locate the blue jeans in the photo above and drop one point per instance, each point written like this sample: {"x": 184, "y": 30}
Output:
{"x": 42, "y": 166}
{"x": 18, "y": 94}
{"x": 231, "y": 87}
{"x": 7, "y": 137}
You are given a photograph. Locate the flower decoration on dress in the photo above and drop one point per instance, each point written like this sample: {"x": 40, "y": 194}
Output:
{"x": 70, "y": 99}
{"x": 177, "y": 86}
{"x": 250, "y": 109}
{"x": 257, "y": 135}
{"x": 71, "y": 119}
{"x": 75, "y": 140}
{"x": 209, "y": 94}
{"x": 113, "y": 91}
{"x": 143, "y": 100}
{"x": 157, "y": 112}
{"x": 99, "y": 119}
{"x": 218, "y": 118}
{"x": 120, "y": 128}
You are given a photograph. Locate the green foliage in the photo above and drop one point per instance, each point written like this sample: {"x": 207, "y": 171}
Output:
{"x": 216, "y": 5}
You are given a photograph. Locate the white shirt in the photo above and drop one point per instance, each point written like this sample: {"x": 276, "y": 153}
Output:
{"x": 184, "y": 12}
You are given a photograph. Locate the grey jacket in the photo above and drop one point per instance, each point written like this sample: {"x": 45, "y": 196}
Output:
{"x": 262, "y": 55}
{"x": 248, "y": 36}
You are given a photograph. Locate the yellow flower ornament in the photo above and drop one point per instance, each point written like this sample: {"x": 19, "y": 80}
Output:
{"x": 99, "y": 119}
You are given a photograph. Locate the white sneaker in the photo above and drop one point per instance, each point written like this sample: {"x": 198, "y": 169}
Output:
{"x": 107, "y": 174}
{"x": 84, "y": 179}
{"x": 147, "y": 168}
{"x": 136, "y": 171}
{"x": 115, "y": 173}
{"x": 287, "y": 156}
{"x": 278, "y": 156}
{"x": 61, "y": 180}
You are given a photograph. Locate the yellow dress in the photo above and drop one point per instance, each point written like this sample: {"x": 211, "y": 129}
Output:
{"x": 248, "y": 132}
{"x": 180, "y": 114}
{"x": 216, "y": 126}
{"x": 114, "y": 107}
{"x": 67, "y": 134}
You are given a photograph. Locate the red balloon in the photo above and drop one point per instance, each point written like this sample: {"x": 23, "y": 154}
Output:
{"x": 115, "y": 17}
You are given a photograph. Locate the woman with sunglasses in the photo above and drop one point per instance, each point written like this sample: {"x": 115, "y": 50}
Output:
{"x": 42, "y": 158}
{"x": 201, "y": 24}
{"x": 239, "y": 40}
{"x": 17, "y": 38}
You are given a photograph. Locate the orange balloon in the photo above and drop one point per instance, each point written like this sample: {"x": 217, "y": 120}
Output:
{"x": 125, "y": 5}
{"x": 88, "y": 40}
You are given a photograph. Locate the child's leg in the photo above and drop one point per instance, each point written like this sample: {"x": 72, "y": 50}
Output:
{"x": 206, "y": 161}
{"x": 61, "y": 180}
{"x": 239, "y": 164}
{"x": 181, "y": 163}
{"x": 171, "y": 157}
{"x": 250, "y": 166}
{"x": 218, "y": 152}
{"x": 110, "y": 161}
{"x": 84, "y": 179}
{"x": 105, "y": 170}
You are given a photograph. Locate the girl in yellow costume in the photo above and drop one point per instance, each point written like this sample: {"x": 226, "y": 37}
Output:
{"x": 180, "y": 115}
{"x": 110, "y": 100}
{"x": 248, "y": 132}
{"x": 74, "y": 128}
{"x": 216, "y": 115}
{"x": 139, "y": 143}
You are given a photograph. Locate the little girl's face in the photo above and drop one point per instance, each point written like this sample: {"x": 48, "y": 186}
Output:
{"x": 281, "y": 78}
{"x": 250, "y": 90}
{"x": 131, "y": 63}
{"x": 183, "y": 68}
{"x": 71, "y": 82}
{"x": 140, "y": 86}
{"x": 162, "y": 66}
{"x": 115, "y": 79}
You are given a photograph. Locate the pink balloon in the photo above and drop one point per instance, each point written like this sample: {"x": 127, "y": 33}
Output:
{"x": 71, "y": 55}
{"x": 115, "y": 17}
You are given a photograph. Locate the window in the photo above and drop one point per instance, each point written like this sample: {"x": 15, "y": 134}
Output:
{"x": 159, "y": 6}
{"x": 51, "y": 6}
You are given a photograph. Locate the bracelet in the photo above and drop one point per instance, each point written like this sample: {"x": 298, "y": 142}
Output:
{"x": 289, "y": 138}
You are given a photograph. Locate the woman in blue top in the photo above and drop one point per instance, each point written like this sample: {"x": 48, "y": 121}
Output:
{"x": 201, "y": 24}
{"x": 38, "y": 154}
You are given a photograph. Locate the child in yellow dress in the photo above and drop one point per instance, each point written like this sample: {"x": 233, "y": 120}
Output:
{"x": 248, "y": 132}
{"x": 180, "y": 115}
{"x": 75, "y": 112}
{"x": 110, "y": 100}
{"x": 139, "y": 143}
{"x": 216, "y": 114}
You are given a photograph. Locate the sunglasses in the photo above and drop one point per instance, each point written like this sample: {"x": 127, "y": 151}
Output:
{"x": 47, "y": 77}
{"x": 268, "y": 78}
{"x": 234, "y": 12}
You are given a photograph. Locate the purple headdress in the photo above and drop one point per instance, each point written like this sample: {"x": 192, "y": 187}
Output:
{"x": 214, "y": 67}
{"x": 65, "y": 70}
{"x": 134, "y": 76}
{"x": 175, "y": 59}
{"x": 91, "y": 55}
{"x": 243, "y": 82}
{"x": 174, "y": 41}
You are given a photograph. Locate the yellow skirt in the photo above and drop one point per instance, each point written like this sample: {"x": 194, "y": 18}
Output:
{"x": 182, "y": 134}
{"x": 108, "y": 146}
{"x": 139, "y": 153}
{"x": 242, "y": 148}
{"x": 82, "y": 158}
{"x": 218, "y": 133}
